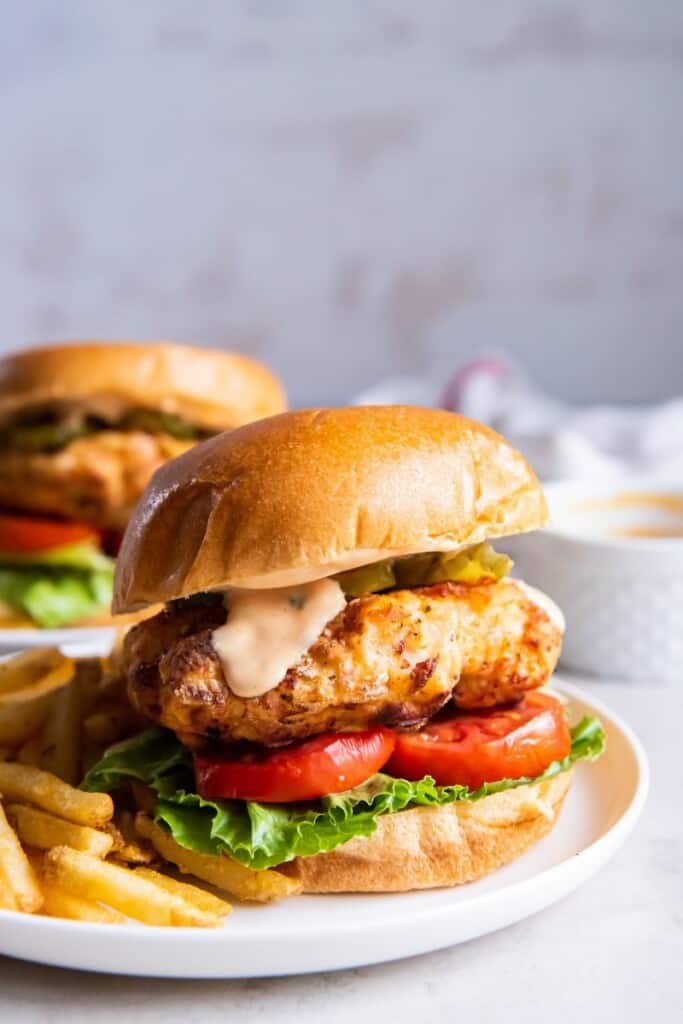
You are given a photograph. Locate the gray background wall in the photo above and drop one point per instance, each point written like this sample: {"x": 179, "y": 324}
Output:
{"x": 349, "y": 189}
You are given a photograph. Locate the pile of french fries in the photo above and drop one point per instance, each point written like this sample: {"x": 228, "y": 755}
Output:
{"x": 71, "y": 854}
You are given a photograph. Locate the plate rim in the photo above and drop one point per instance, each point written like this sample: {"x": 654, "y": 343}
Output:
{"x": 563, "y": 875}
{"x": 80, "y": 639}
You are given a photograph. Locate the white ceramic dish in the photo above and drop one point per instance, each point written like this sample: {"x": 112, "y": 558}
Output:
{"x": 320, "y": 933}
{"x": 622, "y": 596}
{"x": 79, "y": 642}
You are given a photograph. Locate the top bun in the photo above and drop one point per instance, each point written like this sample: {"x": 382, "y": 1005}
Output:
{"x": 209, "y": 388}
{"x": 306, "y": 494}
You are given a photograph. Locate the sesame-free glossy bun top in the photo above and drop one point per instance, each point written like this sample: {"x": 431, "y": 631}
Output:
{"x": 212, "y": 389}
{"x": 306, "y": 494}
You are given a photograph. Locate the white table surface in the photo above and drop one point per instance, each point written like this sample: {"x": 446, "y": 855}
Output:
{"x": 613, "y": 951}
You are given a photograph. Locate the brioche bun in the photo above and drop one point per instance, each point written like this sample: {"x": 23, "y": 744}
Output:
{"x": 306, "y": 494}
{"x": 429, "y": 847}
{"x": 212, "y": 389}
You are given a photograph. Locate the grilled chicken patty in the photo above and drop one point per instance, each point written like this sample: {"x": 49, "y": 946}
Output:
{"x": 387, "y": 659}
{"x": 98, "y": 478}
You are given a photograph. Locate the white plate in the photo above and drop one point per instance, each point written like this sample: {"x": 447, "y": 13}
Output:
{"x": 318, "y": 933}
{"x": 77, "y": 641}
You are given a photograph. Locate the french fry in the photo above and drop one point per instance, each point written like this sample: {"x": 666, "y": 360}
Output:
{"x": 33, "y": 673}
{"x": 29, "y": 684}
{"x": 120, "y": 888}
{"x": 21, "y": 783}
{"x": 16, "y": 870}
{"x": 112, "y": 685}
{"x": 108, "y": 724}
{"x": 36, "y": 859}
{"x": 202, "y": 899}
{"x": 32, "y": 750}
{"x": 20, "y": 720}
{"x": 7, "y": 900}
{"x": 63, "y": 734}
{"x": 43, "y": 831}
{"x": 54, "y": 714}
{"x": 117, "y": 839}
{"x": 88, "y": 677}
{"x": 127, "y": 844}
{"x": 222, "y": 871}
{"x": 136, "y": 854}
{"x": 60, "y": 903}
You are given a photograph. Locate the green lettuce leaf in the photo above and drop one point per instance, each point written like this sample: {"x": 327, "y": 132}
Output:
{"x": 58, "y": 596}
{"x": 264, "y": 835}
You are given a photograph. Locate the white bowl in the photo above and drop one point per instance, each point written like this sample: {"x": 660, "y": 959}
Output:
{"x": 622, "y": 596}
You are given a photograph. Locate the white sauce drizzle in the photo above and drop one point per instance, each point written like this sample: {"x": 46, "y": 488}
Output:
{"x": 267, "y": 631}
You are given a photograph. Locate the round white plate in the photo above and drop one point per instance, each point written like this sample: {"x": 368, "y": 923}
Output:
{"x": 77, "y": 641}
{"x": 319, "y": 933}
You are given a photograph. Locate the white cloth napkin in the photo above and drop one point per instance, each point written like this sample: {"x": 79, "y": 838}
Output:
{"x": 559, "y": 439}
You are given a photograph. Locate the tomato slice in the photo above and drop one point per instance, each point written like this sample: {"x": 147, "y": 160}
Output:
{"x": 330, "y": 763}
{"x": 27, "y": 535}
{"x": 471, "y": 749}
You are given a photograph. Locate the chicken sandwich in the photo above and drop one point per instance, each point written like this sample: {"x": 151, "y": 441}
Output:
{"x": 345, "y": 680}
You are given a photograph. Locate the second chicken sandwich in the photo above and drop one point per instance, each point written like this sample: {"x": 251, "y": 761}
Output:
{"x": 82, "y": 429}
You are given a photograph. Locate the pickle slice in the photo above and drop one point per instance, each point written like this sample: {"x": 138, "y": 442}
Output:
{"x": 43, "y": 437}
{"x": 414, "y": 570}
{"x": 471, "y": 565}
{"x": 47, "y": 432}
{"x": 155, "y": 422}
{"x": 479, "y": 562}
{"x": 368, "y": 579}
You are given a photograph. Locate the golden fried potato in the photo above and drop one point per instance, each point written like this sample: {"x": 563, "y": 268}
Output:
{"x": 21, "y": 783}
{"x": 122, "y": 889}
{"x": 15, "y": 869}
{"x": 225, "y": 873}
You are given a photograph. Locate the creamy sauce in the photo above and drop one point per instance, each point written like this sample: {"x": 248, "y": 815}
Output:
{"x": 648, "y": 531}
{"x": 267, "y": 631}
{"x": 634, "y": 514}
{"x": 543, "y": 602}
{"x": 648, "y": 499}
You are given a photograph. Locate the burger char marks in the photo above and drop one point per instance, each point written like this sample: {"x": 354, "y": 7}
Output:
{"x": 394, "y": 658}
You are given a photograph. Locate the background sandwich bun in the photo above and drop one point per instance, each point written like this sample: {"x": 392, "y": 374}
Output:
{"x": 211, "y": 389}
{"x": 306, "y": 494}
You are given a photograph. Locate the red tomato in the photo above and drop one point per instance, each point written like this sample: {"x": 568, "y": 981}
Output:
{"x": 330, "y": 763}
{"x": 26, "y": 535}
{"x": 474, "y": 748}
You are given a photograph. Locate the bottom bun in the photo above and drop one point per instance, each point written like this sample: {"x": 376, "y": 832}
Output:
{"x": 430, "y": 847}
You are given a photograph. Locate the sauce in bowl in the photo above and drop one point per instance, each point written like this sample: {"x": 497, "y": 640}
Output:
{"x": 629, "y": 514}
{"x": 612, "y": 559}
{"x": 649, "y": 531}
